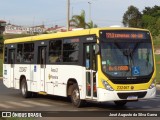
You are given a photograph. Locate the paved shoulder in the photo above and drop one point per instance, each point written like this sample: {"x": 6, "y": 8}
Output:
{"x": 30, "y": 104}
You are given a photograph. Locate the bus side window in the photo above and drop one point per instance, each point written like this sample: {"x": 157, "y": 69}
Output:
{"x": 71, "y": 50}
{"x": 5, "y": 55}
{"x": 19, "y": 57}
{"x": 28, "y": 52}
{"x": 55, "y": 48}
{"x": 11, "y": 56}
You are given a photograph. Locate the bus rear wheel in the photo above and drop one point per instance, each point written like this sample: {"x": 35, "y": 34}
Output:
{"x": 120, "y": 103}
{"x": 24, "y": 89}
{"x": 75, "y": 96}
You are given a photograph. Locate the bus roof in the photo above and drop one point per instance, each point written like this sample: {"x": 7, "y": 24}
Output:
{"x": 65, "y": 34}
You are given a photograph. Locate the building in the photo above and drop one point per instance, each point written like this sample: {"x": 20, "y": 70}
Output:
{"x": 56, "y": 28}
{"x": 16, "y": 29}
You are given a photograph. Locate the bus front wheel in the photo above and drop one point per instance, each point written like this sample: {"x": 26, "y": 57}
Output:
{"x": 75, "y": 96}
{"x": 24, "y": 89}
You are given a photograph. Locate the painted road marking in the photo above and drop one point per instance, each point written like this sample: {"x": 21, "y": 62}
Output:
{"x": 36, "y": 103}
{"x": 19, "y": 104}
{"x": 53, "y": 102}
{"x": 5, "y": 106}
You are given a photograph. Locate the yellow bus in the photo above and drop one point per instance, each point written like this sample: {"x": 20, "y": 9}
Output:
{"x": 100, "y": 64}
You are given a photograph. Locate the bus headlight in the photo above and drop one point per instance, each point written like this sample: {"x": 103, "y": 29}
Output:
{"x": 107, "y": 86}
{"x": 153, "y": 84}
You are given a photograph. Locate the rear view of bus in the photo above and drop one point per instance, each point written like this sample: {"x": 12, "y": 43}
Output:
{"x": 126, "y": 70}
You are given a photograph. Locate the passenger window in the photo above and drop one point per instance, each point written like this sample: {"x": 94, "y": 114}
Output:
{"x": 5, "y": 55}
{"x": 25, "y": 53}
{"x": 55, "y": 48}
{"x": 28, "y": 52}
{"x": 70, "y": 50}
{"x": 19, "y": 57}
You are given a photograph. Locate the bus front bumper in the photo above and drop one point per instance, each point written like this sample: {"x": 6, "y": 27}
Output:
{"x": 105, "y": 95}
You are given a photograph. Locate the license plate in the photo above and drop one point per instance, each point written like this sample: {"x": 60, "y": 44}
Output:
{"x": 132, "y": 98}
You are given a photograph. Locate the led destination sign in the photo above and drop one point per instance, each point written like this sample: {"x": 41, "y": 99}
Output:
{"x": 125, "y": 34}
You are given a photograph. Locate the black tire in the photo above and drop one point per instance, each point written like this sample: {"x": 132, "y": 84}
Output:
{"x": 120, "y": 103}
{"x": 34, "y": 95}
{"x": 75, "y": 96}
{"x": 24, "y": 89}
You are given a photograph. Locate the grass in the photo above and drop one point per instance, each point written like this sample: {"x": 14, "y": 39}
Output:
{"x": 1, "y": 66}
{"x": 156, "y": 42}
{"x": 158, "y": 68}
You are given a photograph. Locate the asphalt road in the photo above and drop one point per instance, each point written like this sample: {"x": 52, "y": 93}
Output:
{"x": 11, "y": 100}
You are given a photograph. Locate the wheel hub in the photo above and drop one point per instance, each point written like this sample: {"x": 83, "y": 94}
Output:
{"x": 23, "y": 89}
{"x": 75, "y": 96}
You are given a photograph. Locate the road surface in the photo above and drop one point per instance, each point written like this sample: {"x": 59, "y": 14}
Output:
{"x": 11, "y": 100}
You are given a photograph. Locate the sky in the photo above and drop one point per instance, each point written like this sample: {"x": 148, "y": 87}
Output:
{"x": 54, "y": 12}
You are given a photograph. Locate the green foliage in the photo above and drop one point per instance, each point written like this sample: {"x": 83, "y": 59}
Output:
{"x": 1, "y": 67}
{"x": 156, "y": 42}
{"x": 158, "y": 68}
{"x": 78, "y": 21}
{"x": 1, "y": 43}
{"x": 132, "y": 17}
{"x": 151, "y": 19}
{"x": 154, "y": 11}
{"x": 1, "y": 37}
{"x": 91, "y": 25}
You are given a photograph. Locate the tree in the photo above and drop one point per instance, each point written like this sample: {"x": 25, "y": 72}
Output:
{"x": 91, "y": 25}
{"x": 78, "y": 21}
{"x": 154, "y": 11}
{"x": 132, "y": 17}
{"x": 1, "y": 43}
{"x": 151, "y": 19}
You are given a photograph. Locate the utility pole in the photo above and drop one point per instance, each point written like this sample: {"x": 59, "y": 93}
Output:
{"x": 68, "y": 14}
{"x": 89, "y": 11}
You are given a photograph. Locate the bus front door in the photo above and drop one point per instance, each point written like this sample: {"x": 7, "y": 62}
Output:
{"x": 91, "y": 70}
{"x": 12, "y": 62}
{"x": 42, "y": 62}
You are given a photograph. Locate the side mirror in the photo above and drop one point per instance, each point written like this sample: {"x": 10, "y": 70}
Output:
{"x": 97, "y": 49}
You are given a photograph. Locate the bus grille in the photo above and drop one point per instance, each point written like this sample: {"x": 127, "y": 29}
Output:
{"x": 133, "y": 81}
{"x": 125, "y": 95}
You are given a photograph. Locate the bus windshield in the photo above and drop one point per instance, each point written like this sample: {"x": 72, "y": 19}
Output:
{"x": 121, "y": 58}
